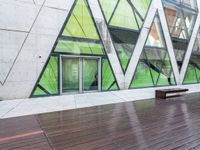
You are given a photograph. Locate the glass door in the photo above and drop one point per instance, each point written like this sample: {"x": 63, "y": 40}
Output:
{"x": 70, "y": 74}
{"x": 80, "y": 74}
{"x": 90, "y": 74}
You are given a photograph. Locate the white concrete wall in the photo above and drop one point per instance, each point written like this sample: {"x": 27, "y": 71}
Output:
{"x": 29, "y": 28}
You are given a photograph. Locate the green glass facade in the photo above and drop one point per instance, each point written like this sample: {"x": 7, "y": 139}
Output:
{"x": 154, "y": 67}
{"x": 48, "y": 83}
{"x": 193, "y": 71}
{"x": 181, "y": 16}
{"x": 124, "y": 19}
{"x": 79, "y": 60}
{"x": 79, "y": 37}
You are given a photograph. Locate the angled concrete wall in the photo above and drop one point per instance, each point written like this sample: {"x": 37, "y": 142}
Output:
{"x": 28, "y": 30}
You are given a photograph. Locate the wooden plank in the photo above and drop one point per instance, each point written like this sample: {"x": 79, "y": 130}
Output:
{"x": 148, "y": 124}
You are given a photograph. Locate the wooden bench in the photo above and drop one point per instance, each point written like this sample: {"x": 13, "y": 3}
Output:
{"x": 167, "y": 93}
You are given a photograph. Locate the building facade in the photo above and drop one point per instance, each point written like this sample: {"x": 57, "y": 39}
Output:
{"x": 55, "y": 47}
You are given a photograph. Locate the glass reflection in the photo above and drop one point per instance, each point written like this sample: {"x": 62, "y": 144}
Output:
{"x": 70, "y": 75}
{"x": 181, "y": 16}
{"x": 90, "y": 74}
{"x": 193, "y": 70}
{"x": 154, "y": 68}
{"x": 125, "y": 19}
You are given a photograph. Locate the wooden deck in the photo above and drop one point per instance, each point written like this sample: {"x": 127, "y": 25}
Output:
{"x": 150, "y": 124}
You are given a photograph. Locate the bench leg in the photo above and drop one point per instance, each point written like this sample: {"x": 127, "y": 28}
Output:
{"x": 161, "y": 95}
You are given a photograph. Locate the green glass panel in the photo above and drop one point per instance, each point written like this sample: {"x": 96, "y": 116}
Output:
{"x": 142, "y": 77}
{"x": 155, "y": 75}
{"x": 108, "y": 79}
{"x": 166, "y": 66}
{"x": 39, "y": 92}
{"x": 154, "y": 66}
{"x": 193, "y": 70}
{"x": 125, "y": 21}
{"x": 124, "y": 51}
{"x": 198, "y": 74}
{"x": 124, "y": 42}
{"x": 166, "y": 76}
{"x": 75, "y": 47}
{"x": 123, "y": 16}
{"x": 155, "y": 57}
{"x": 70, "y": 74}
{"x": 90, "y": 74}
{"x": 163, "y": 80}
{"x": 190, "y": 76}
{"x": 49, "y": 78}
{"x": 124, "y": 59}
{"x": 139, "y": 21}
{"x": 114, "y": 87}
{"x": 172, "y": 79}
{"x": 141, "y": 6}
{"x": 122, "y": 13}
{"x": 80, "y": 23}
{"x": 80, "y": 35}
{"x": 108, "y": 7}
